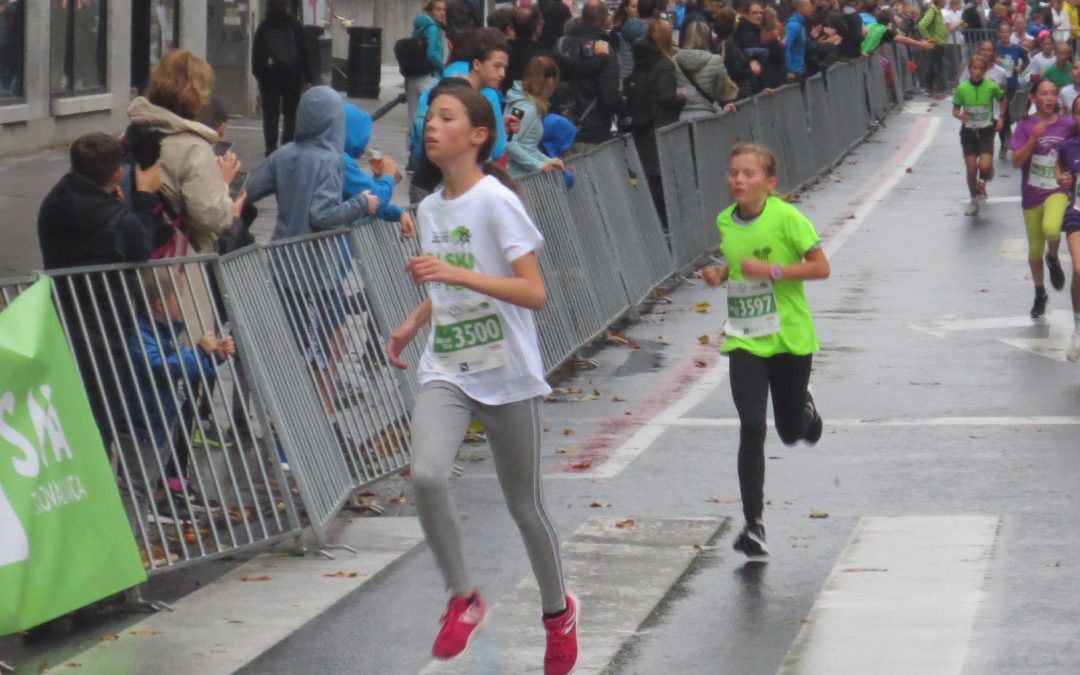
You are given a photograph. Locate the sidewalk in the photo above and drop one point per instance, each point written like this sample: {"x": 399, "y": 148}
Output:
{"x": 25, "y": 180}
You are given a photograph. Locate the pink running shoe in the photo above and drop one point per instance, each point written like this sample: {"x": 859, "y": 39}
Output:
{"x": 562, "y": 646}
{"x": 462, "y": 621}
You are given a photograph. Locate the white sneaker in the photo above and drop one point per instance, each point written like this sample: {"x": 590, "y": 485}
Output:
{"x": 972, "y": 209}
{"x": 1074, "y": 351}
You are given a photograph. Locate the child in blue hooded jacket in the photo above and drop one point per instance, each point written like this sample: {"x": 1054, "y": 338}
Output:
{"x": 357, "y": 181}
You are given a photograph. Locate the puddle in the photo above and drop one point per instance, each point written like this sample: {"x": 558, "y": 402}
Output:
{"x": 640, "y": 361}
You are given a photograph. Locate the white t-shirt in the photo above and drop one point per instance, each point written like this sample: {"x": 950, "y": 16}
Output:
{"x": 1039, "y": 63}
{"x": 1068, "y": 95}
{"x": 485, "y": 230}
{"x": 1061, "y": 25}
{"x": 953, "y": 18}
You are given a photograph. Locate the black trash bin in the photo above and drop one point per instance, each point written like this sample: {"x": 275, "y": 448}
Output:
{"x": 317, "y": 49}
{"x": 365, "y": 62}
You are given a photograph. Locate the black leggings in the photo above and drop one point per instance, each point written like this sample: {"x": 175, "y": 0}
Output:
{"x": 280, "y": 95}
{"x": 752, "y": 378}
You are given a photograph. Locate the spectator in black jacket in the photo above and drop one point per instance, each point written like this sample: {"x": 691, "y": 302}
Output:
{"x": 590, "y": 102}
{"x": 555, "y": 14}
{"x": 279, "y": 64}
{"x": 523, "y": 46}
{"x": 741, "y": 69}
{"x": 84, "y": 221}
{"x": 462, "y": 16}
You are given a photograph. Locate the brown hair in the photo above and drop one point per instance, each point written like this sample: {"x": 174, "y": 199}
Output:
{"x": 158, "y": 284}
{"x": 771, "y": 22}
{"x": 540, "y": 70}
{"x": 724, "y": 23}
{"x": 698, "y": 36}
{"x": 663, "y": 36}
{"x": 478, "y": 45}
{"x": 978, "y": 58}
{"x": 480, "y": 114}
{"x": 96, "y": 157}
{"x": 764, "y": 155}
{"x": 181, "y": 83}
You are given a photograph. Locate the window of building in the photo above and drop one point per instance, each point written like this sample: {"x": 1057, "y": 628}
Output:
{"x": 164, "y": 29}
{"x": 12, "y": 48}
{"x": 78, "y": 46}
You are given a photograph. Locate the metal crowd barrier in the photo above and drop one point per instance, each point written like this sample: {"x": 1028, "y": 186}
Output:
{"x": 196, "y": 466}
{"x": 683, "y": 198}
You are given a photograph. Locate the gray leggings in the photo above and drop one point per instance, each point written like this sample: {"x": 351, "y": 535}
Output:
{"x": 441, "y": 418}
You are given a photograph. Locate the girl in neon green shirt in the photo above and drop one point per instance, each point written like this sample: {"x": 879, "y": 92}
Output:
{"x": 770, "y": 248}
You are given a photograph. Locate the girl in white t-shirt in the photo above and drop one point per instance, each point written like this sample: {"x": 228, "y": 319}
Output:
{"x": 483, "y": 359}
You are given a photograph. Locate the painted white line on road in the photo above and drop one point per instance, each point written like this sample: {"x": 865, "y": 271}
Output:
{"x": 901, "y": 599}
{"x": 877, "y": 196}
{"x": 898, "y": 422}
{"x": 620, "y": 575}
{"x": 228, "y": 623}
{"x": 1012, "y": 199}
{"x": 1053, "y": 332}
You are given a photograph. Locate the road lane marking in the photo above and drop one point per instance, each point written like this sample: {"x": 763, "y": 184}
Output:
{"x": 901, "y": 599}
{"x": 620, "y": 575}
{"x": 1054, "y": 331}
{"x": 898, "y": 422}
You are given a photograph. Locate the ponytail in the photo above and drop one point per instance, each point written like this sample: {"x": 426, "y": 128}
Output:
{"x": 500, "y": 174}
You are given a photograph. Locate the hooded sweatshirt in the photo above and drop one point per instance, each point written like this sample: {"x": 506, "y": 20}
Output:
{"x": 426, "y": 26}
{"x": 709, "y": 74}
{"x": 191, "y": 179}
{"x": 307, "y": 175}
{"x": 524, "y": 149}
{"x": 357, "y": 135}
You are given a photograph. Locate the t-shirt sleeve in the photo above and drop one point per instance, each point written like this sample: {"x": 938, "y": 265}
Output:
{"x": 1020, "y": 136}
{"x": 958, "y": 97}
{"x": 516, "y": 232}
{"x": 999, "y": 93}
{"x": 802, "y": 232}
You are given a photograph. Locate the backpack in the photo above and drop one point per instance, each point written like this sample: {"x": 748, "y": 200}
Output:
{"x": 281, "y": 48}
{"x": 411, "y": 55}
{"x": 639, "y": 112}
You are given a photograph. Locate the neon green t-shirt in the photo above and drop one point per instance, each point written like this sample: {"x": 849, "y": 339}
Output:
{"x": 780, "y": 236}
{"x": 977, "y": 100}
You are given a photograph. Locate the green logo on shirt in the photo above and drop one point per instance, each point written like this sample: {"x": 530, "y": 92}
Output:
{"x": 762, "y": 254}
{"x": 461, "y": 236}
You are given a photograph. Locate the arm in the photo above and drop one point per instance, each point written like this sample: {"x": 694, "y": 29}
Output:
{"x": 329, "y": 211}
{"x": 814, "y": 266}
{"x": 499, "y": 149}
{"x": 1022, "y": 150}
{"x": 958, "y": 113}
{"x": 609, "y": 85}
{"x": 434, "y": 50}
{"x": 667, "y": 94}
{"x": 261, "y": 182}
{"x": 1061, "y": 171}
{"x": 524, "y": 289}
{"x": 405, "y": 333}
{"x": 204, "y": 193}
{"x": 258, "y": 54}
{"x": 527, "y": 156}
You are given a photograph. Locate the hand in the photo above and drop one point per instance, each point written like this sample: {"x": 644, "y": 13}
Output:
{"x": 229, "y": 164}
{"x": 372, "y": 202}
{"x": 999, "y": 124}
{"x": 815, "y": 31}
{"x": 208, "y": 343}
{"x": 601, "y": 48}
{"x": 964, "y": 118}
{"x": 731, "y": 107}
{"x": 926, "y": 44}
{"x": 1039, "y": 130}
{"x": 148, "y": 180}
{"x": 226, "y": 347}
{"x": 755, "y": 269}
{"x": 553, "y": 164}
{"x": 397, "y": 343}
{"x": 387, "y": 166}
{"x": 755, "y": 68}
{"x": 712, "y": 275}
{"x": 513, "y": 124}
{"x": 408, "y": 226}
{"x": 238, "y": 203}
{"x": 791, "y": 77}
{"x": 117, "y": 193}
{"x": 429, "y": 269}
{"x": 1065, "y": 180}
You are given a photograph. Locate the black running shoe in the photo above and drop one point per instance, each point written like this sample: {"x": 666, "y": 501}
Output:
{"x": 751, "y": 541}
{"x": 1039, "y": 308}
{"x": 1057, "y": 275}
{"x": 813, "y": 434}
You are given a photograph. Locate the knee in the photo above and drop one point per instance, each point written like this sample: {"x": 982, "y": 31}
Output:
{"x": 427, "y": 482}
{"x": 524, "y": 512}
{"x": 752, "y": 434}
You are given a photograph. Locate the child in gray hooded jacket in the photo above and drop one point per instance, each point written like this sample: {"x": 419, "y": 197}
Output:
{"x": 307, "y": 174}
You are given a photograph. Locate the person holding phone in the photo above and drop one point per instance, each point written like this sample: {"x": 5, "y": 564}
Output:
{"x": 529, "y": 101}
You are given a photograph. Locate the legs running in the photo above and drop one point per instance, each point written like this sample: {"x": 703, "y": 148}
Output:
{"x": 750, "y": 391}
{"x": 514, "y": 433}
{"x": 1073, "y": 352}
{"x": 789, "y": 376}
{"x": 442, "y": 415}
{"x": 970, "y": 164}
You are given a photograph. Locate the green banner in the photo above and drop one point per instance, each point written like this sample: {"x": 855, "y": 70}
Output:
{"x": 64, "y": 539}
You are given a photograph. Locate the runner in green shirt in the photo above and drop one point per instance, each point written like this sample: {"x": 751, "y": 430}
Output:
{"x": 770, "y": 249}
{"x": 973, "y": 104}
{"x": 1060, "y": 72}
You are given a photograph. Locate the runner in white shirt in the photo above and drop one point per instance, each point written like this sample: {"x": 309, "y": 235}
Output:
{"x": 482, "y": 358}
{"x": 1044, "y": 58}
{"x": 1060, "y": 17}
{"x": 954, "y": 22}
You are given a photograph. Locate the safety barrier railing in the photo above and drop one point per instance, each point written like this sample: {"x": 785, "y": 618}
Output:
{"x": 201, "y": 435}
{"x": 196, "y": 468}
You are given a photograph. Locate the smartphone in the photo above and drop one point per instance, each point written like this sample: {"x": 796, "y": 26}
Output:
{"x": 221, "y": 148}
{"x": 237, "y": 184}
{"x": 518, "y": 113}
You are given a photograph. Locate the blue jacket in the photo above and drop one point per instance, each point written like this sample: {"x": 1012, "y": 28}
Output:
{"x": 430, "y": 29}
{"x": 458, "y": 69}
{"x": 171, "y": 363}
{"x": 524, "y": 149}
{"x": 357, "y": 135}
{"x": 308, "y": 174}
{"x": 795, "y": 51}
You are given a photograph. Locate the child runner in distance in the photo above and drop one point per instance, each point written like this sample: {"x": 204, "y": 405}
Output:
{"x": 973, "y": 104}
{"x": 1035, "y": 145}
{"x": 483, "y": 359}
{"x": 771, "y": 249}
{"x": 1068, "y": 170}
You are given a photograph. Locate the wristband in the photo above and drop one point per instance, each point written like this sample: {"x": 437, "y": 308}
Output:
{"x": 776, "y": 272}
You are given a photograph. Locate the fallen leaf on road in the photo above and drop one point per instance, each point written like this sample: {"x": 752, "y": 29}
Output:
{"x": 617, "y": 338}
{"x": 146, "y": 632}
{"x": 43, "y": 666}
{"x": 1053, "y": 563}
{"x": 633, "y": 344}
{"x": 717, "y": 500}
{"x": 567, "y": 432}
{"x": 74, "y": 665}
{"x": 342, "y": 574}
{"x": 814, "y": 513}
{"x": 110, "y": 638}
{"x": 704, "y": 339}
{"x": 472, "y": 456}
{"x": 400, "y": 499}
{"x": 836, "y": 482}
{"x": 583, "y": 464}
{"x": 626, "y": 524}
{"x": 597, "y": 505}
{"x": 618, "y": 399}
{"x": 573, "y": 390}
{"x": 908, "y": 170}
{"x": 568, "y": 450}
{"x": 260, "y": 578}
{"x": 700, "y": 308}
{"x": 661, "y": 293}
{"x": 701, "y": 363}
